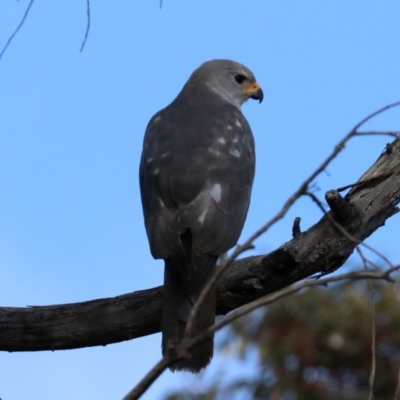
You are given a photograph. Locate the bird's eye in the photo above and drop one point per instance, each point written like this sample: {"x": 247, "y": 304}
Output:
{"x": 240, "y": 78}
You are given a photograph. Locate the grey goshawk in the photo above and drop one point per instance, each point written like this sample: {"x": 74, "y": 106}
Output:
{"x": 196, "y": 174}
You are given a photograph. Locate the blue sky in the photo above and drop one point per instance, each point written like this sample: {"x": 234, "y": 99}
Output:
{"x": 71, "y": 134}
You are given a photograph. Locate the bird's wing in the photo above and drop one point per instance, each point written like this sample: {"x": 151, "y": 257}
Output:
{"x": 196, "y": 172}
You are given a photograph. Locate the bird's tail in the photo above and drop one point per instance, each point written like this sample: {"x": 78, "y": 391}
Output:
{"x": 185, "y": 275}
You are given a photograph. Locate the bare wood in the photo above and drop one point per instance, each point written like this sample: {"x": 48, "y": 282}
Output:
{"x": 320, "y": 249}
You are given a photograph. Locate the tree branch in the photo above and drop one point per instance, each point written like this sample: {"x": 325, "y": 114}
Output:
{"x": 87, "y": 25}
{"x": 319, "y": 250}
{"x": 163, "y": 364}
{"x": 271, "y": 298}
{"x": 16, "y": 29}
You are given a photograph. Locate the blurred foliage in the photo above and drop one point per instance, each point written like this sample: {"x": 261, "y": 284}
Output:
{"x": 314, "y": 345}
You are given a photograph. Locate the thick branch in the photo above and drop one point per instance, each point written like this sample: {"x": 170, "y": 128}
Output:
{"x": 321, "y": 249}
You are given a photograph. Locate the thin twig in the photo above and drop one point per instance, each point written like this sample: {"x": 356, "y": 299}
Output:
{"x": 365, "y": 260}
{"x": 317, "y": 201}
{"x": 345, "y": 232}
{"x": 382, "y": 133}
{"x": 87, "y": 25}
{"x": 371, "y": 380}
{"x": 360, "y": 183}
{"x": 212, "y": 281}
{"x": 263, "y": 301}
{"x": 378, "y": 253}
{"x": 335, "y": 224}
{"x": 397, "y": 394}
{"x": 374, "y": 114}
{"x": 17, "y": 29}
{"x": 147, "y": 380}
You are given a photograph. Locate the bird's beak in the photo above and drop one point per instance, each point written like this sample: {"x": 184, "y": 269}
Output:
{"x": 254, "y": 91}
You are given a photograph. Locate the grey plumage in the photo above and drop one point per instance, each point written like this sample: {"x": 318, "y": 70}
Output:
{"x": 196, "y": 175}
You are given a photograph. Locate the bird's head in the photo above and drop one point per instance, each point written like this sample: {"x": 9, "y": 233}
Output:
{"x": 231, "y": 80}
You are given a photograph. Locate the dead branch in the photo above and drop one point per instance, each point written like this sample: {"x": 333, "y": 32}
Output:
{"x": 319, "y": 250}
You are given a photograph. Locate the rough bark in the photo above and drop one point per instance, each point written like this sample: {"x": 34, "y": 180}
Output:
{"x": 321, "y": 249}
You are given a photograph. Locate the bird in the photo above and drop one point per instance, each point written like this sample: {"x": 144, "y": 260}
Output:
{"x": 196, "y": 174}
